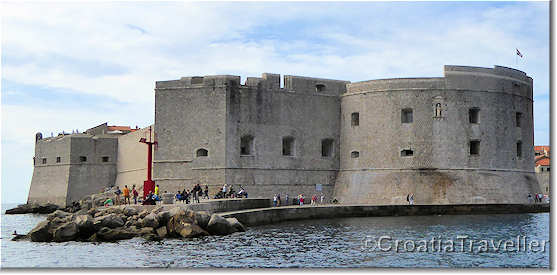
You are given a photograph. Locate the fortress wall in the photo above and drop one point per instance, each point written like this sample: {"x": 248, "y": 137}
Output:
{"x": 50, "y": 181}
{"x": 438, "y": 142}
{"x": 268, "y": 114}
{"x": 132, "y": 159}
{"x": 93, "y": 175}
{"x": 190, "y": 114}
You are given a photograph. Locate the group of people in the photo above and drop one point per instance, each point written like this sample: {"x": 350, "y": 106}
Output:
{"x": 127, "y": 193}
{"x": 299, "y": 200}
{"x": 537, "y": 198}
{"x": 195, "y": 193}
{"x": 227, "y": 191}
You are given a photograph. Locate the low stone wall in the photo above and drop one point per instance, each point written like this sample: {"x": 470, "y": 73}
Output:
{"x": 279, "y": 214}
{"x": 212, "y": 206}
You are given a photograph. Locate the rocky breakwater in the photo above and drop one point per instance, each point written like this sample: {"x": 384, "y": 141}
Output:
{"x": 37, "y": 208}
{"x": 125, "y": 222}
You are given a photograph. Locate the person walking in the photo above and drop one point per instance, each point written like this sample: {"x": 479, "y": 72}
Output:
{"x": 224, "y": 191}
{"x": 117, "y": 193}
{"x": 126, "y": 192}
{"x": 275, "y": 200}
{"x": 278, "y": 200}
{"x": 135, "y": 194}
{"x": 206, "y": 195}
{"x": 286, "y": 199}
{"x": 411, "y": 199}
{"x": 322, "y": 198}
{"x": 157, "y": 190}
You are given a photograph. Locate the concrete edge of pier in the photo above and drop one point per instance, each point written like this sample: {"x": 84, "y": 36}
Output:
{"x": 270, "y": 215}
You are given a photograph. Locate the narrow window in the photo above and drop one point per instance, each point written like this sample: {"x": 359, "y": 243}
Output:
{"x": 355, "y": 154}
{"x": 474, "y": 147}
{"x": 474, "y": 115}
{"x": 406, "y": 116}
{"x": 202, "y": 152}
{"x": 518, "y": 119}
{"x": 246, "y": 145}
{"x": 519, "y": 149}
{"x": 82, "y": 158}
{"x": 58, "y": 159}
{"x": 105, "y": 159}
{"x": 327, "y": 146}
{"x": 320, "y": 88}
{"x": 438, "y": 111}
{"x": 288, "y": 146}
{"x": 34, "y": 161}
{"x": 547, "y": 169}
{"x": 44, "y": 160}
{"x": 406, "y": 153}
{"x": 355, "y": 119}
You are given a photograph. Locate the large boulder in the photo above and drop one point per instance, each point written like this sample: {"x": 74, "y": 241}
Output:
{"x": 175, "y": 224}
{"x": 41, "y": 232}
{"x": 110, "y": 221}
{"x": 146, "y": 230}
{"x": 85, "y": 225}
{"x": 65, "y": 232}
{"x": 58, "y": 214}
{"x": 161, "y": 231}
{"x": 151, "y": 220}
{"x": 46, "y": 208}
{"x": 114, "y": 234}
{"x": 219, "y": 226}
{"x": 189, "y": 230}
{"x": 201, "y": 218}
{"x": 129, "y": 211}
{"x": 163, "y": 217}
{"x": 236, "y": 225}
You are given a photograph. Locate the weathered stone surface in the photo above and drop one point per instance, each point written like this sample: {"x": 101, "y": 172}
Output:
{"x": 146, "y": 230}
{"x": 143, "y": 213}
{"x": 161, "y": 231}
{"x": 40, "y": 233}
{"x": 202, "y": 218}
{"x": 115, "y": 234}
{"x": 236, "y": 225}
{"x": 151, "y": 220}
{"x": 219, "y": 226}
{"x": 129, "y": 211}
{"x": 152, "y": 237}
{"x": 163, "y": 217}
{"x": 85, "y": 225}
{"x": 188, "y": 230}
{"x": 175, "y": 224}
{"x": 65, "y": 232}
{"x": 110, "y": 221}
{"x": 58, "y": 214}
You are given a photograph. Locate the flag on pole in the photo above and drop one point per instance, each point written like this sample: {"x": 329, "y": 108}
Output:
{"x": 518, "y": 53}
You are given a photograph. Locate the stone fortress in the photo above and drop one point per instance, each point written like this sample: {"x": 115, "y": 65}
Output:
{"x": 466, "y": 137}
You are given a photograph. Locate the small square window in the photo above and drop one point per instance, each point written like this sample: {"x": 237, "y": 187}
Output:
{"x": 407, "y": 116}
{"x": 44, "y": 161}
{"x": 106, "y": 159}
{"x": 327, "y": 146}
{"x": 320, "y": 88}
{"x": 58, "y": 159}
{"x": 288, "y": 146}
{"x": 355, "y": 154}
{"x": 474, "y": 115}
{"x": 82, "y": 158}
{"x": 474, "y": 147}
{"x": 406, "y": 153}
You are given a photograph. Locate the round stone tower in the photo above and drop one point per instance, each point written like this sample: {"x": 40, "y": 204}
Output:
{"x": 466, "y": 137}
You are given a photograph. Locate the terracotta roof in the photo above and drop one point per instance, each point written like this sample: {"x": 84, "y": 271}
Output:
{"x": 541, "y": 148}
{"x": 543, "y": 161}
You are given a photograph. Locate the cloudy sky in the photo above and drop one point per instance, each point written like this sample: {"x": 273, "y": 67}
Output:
{"x": 76, "y": 65}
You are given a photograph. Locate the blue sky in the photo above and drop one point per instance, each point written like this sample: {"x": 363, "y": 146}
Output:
{"x": 76, "y": 65}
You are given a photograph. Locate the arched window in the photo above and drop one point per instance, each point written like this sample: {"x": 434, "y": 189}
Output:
{"x": 288, "y": 146}
{"x": 202, "y": 152}
{"x": 438, "y": 111}
{"x": 246, "y": 145}
{"x": 355, "y": 154}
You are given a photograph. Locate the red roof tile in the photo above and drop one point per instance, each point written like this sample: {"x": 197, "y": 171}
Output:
{"x": 543, "y": 161}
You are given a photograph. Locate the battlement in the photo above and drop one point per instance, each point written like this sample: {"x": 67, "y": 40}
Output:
{"x": 199, "y": 82}
{"x": 496, "y": 71}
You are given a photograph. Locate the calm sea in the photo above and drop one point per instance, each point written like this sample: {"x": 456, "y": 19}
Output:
{"x": 424, "y": 241}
